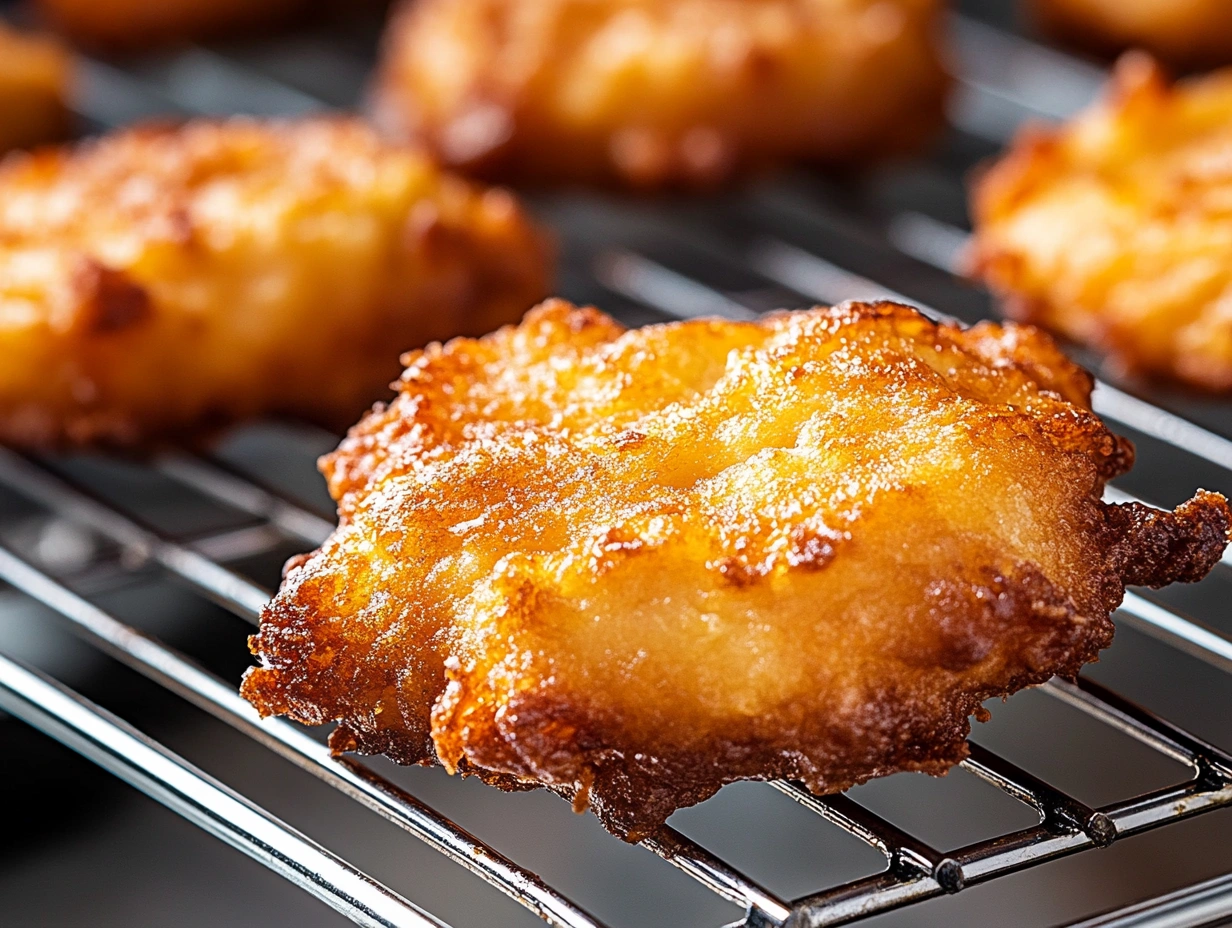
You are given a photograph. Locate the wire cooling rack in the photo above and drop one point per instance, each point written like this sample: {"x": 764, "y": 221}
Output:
{"x": 735, "y": 256}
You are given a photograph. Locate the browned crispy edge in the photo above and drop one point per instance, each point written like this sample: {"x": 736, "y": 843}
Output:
{"x": 1034, "y": 626}
{"x": 570, "y": 743}
{"x": 1041, "y": 631}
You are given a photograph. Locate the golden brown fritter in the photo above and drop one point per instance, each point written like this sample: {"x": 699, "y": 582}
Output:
{"x": 34, "y": 78}
{"x": 656, "y": 93}
{"x": 1188, "y": 33}
{"x": 637, "y": 565}
{"x": 131, "y": 25}
{"x": 163, "y": 281}
{"x": 1113, "y": 229}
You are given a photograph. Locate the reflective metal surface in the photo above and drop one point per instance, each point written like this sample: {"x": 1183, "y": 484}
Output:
{"x": 156, "y": 771}
{"x": 74, "y": 532}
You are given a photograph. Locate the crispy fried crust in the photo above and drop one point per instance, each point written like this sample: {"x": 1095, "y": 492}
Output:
{"x": 34, "y": 77}
{"x": 1186, "y": 33}
{"x": 1112, "y": 229}
{"x": 634, "y": 566}
{"x": 131, "y": 25}
{"x": 164, "y": 281}
{"x": 650, "y": 94}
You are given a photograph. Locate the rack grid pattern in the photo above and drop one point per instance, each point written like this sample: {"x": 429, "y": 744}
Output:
{"x": 1002, "y": 79}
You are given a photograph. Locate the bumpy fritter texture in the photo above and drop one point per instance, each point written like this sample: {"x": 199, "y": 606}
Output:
{"x": 164, "y": 281}
{"x": 1114, "y": 228}
{"x": 654, "y": 93}
{"x": 634, "y": 566}
{"x": 1187, "y": 33}
{"x": 34, "y": 78}
{"x": 132, "y": 25}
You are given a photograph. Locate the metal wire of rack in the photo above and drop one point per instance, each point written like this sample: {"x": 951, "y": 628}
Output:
{"x": 648, "y": 256}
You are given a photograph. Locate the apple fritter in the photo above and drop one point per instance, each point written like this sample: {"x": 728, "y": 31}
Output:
{"x": 1186, "y": 33}
{"x": 133, "y": 25}
{"x": 1112, "y": 229}
{"x": 162, "y": 282}
{"x": 34, "y": 78}
{"x": 660, "y": 93}
{"x": 634, "y": 566}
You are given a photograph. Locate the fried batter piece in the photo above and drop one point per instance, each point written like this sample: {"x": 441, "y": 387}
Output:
{"x": 162, "y": 282}
{"x": 1113, "y": 229}
{"x": 1186, "y": 33}
{"x": 660, "y": 93}
{"x": 636, "y": 565}
{"x": 34, "y": 78}
{"x": 133, "y": 25}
